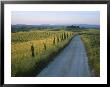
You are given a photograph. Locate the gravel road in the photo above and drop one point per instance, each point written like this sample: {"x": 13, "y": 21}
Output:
{"x": 70, "y": 62}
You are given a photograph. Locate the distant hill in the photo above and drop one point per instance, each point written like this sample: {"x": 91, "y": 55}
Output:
{"x": 89, "y": 26}
{"x": 23, "y": 27}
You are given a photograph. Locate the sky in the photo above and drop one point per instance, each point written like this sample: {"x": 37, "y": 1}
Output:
{"x": 55, "y": 17}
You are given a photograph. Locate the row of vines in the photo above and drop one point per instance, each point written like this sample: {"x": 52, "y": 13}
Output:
{"x": 31, "y": 51}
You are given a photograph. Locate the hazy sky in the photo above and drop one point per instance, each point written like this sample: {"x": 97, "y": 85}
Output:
{"x": 55, "y": 17}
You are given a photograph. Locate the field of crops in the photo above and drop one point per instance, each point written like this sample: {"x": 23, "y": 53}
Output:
{"x": 31, "y": 51}
{"x": 91, "y": 40}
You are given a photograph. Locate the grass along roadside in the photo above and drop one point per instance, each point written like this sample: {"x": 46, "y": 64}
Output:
{"x": 91, "y": 39}
{"x": 22, "y": 62}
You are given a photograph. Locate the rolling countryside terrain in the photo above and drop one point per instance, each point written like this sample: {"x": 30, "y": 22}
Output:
{"x": 33, "y": 51}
